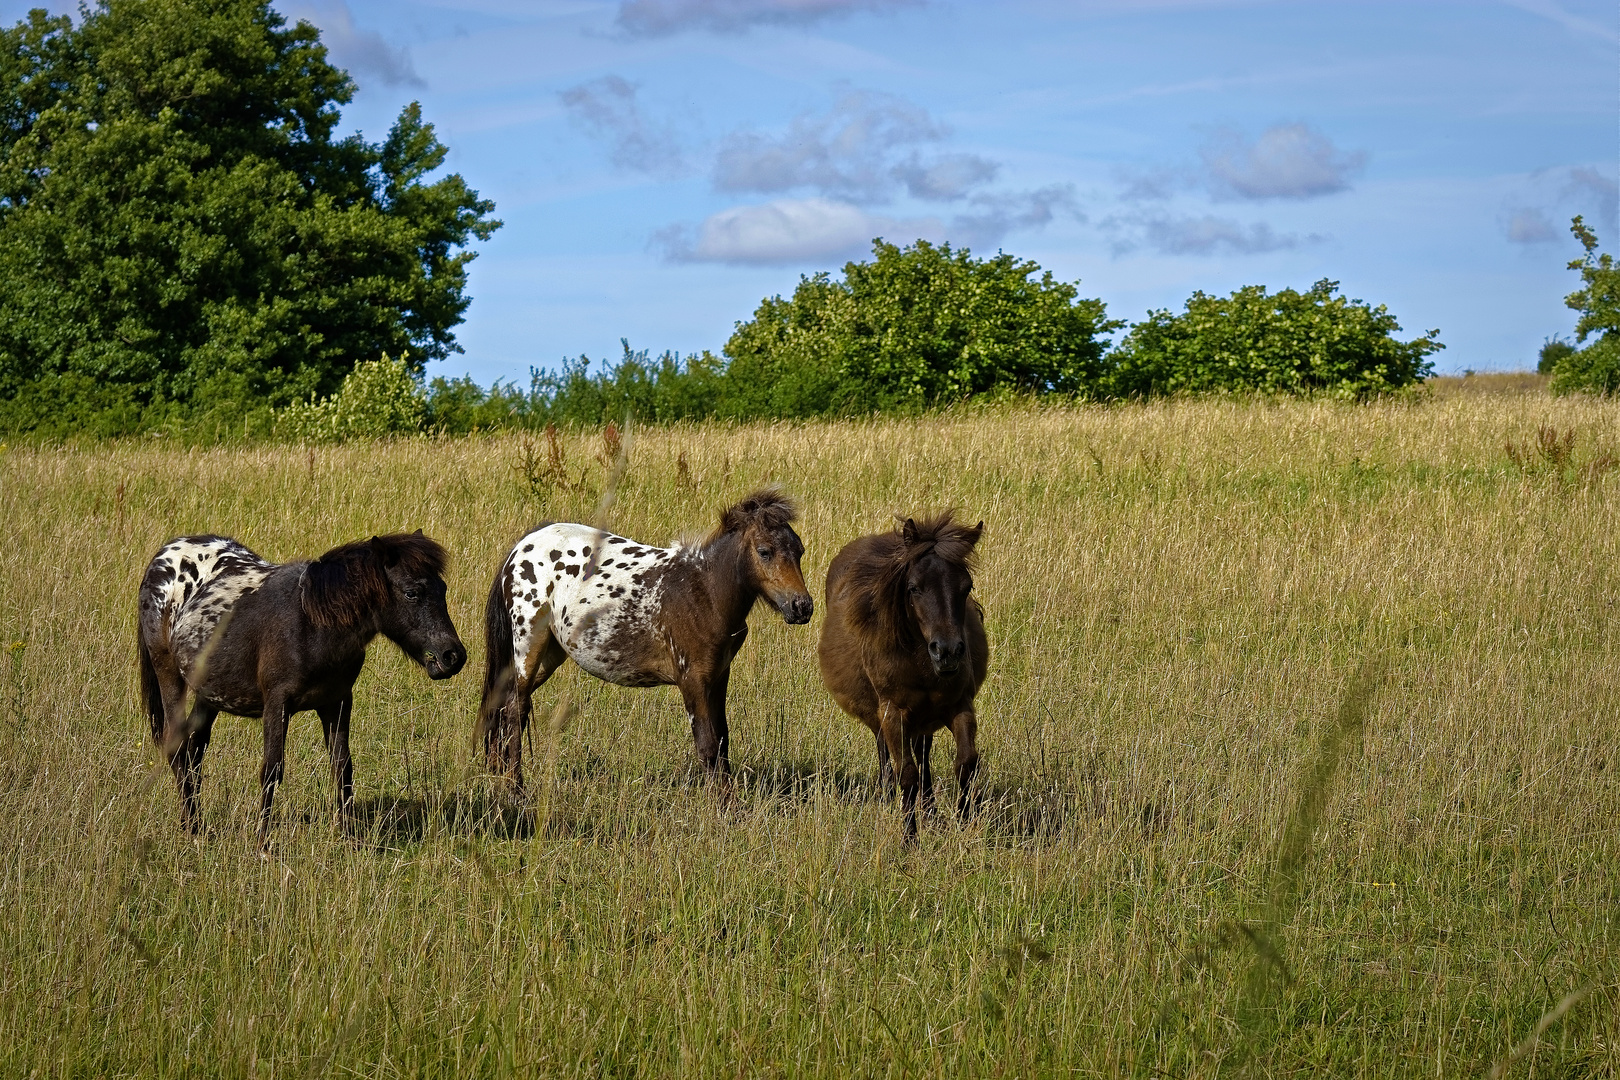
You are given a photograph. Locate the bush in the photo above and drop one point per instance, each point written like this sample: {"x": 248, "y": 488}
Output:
{"x": 1554, "y": 351}
{"x": 377, "y": 399}
{"x": 915, "y": 327}
{"x": 1290, "y": 342}
{"x": 1596, "y": 368}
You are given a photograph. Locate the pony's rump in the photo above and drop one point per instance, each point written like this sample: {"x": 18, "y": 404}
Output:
{"x": 151, "y": 695}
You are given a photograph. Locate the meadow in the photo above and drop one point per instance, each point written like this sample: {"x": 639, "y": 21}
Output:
{"x": 1300, "y": 754}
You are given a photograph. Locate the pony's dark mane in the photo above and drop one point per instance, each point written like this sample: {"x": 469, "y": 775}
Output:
{"x": 768, "y": 508}
{"x": 877, "y": 578}
{"x": 350, "y": 582}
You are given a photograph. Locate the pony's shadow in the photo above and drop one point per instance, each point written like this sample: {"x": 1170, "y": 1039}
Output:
{"x": 391, "y": 820}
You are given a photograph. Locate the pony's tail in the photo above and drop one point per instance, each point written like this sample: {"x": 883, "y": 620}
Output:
{"x": 497, "y": 655}
{"x": 151, "y": 695}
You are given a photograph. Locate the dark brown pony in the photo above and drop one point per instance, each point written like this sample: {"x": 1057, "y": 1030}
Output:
{"x": 903, "y": 649}
{"x": 249, "y": 637}
{"x": 635, "y": 615}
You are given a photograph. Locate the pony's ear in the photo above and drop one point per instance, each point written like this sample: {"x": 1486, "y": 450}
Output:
{"x": 418, "y": 532}
{"x": 735, "y": 518}
{"x": 908, "y": 532}
{"x": 386, "y": 555}
{"x": 974, "y": 533}
{"x": 341, "y": 586}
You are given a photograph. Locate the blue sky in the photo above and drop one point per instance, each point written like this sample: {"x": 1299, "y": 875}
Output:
{"x": 662, "y": 165}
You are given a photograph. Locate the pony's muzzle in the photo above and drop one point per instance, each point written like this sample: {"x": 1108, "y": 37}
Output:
{"x": 443, "y": 663}
{"x": 798, "y": 610}
{"x": 947, "y": 657}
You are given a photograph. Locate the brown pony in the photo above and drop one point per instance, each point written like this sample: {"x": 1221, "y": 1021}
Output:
{"x": 635, "y": 615}
{"x": 254, "y": 638}
{"x": 903, "y": 649}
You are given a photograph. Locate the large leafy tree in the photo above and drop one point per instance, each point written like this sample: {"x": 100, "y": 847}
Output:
{"x": 915, "y": 327}
{"x": 178, "y": 219}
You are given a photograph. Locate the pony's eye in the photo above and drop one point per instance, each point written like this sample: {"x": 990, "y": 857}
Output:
{"x": 914, "y": 590}
{"x": 764, "y": 552}
{"x": 412, "y": 595}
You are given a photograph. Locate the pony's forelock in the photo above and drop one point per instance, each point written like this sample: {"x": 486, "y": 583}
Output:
{"x": 878, "y": 577}
{"x": 768, "y": 508}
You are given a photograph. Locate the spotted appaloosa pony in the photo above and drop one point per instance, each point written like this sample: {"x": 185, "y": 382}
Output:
{"x": 636, "y": 615}
{"x": 903, "y": 649}
{"x": 254, "y": 638}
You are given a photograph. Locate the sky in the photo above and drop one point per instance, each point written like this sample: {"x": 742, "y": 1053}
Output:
{"x": 661, "y": 166}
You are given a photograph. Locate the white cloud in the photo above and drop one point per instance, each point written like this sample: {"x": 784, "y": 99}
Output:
{"x": 1530, "y": 226}
{"x": 1288, "y": 161}
{"x": 847, "y": 152}
{"x": 607, "y": 107}
{"x": 1596, "y": 193}
{"x": 1540, "y": 211}
{"x": 659, "y": 18}
{"x": 1575, "y": 24}
{"x": 789, "y": 231}
{"x": 1197, "y": 235}
{"x": 946, "y": 178}
{"x": 361, "y": 52}
{"x": 994, "y": 216}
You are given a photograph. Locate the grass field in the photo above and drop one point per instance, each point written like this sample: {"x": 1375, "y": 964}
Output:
{"x": 1300, "y": 752}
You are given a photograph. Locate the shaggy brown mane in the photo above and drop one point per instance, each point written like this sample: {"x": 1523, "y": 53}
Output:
{"x": 349, "y": 582}
{"x": 877, "y": 580}
{"x": 768, "y": 508}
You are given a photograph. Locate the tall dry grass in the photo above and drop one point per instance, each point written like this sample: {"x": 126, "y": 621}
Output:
{"x": 1201, "y": 851}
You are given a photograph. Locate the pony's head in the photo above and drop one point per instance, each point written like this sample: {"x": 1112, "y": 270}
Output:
{"x": 771, "y": 550}
{"x": 396, "y": 584}
{"x": 917, "y": 583}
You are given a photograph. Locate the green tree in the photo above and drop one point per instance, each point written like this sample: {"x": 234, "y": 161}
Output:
{"x": 179, "y": 224}
{"x": 1595, "y": 368}
{"x": 914, "y": 327}
{"x": 1255, "y": 342}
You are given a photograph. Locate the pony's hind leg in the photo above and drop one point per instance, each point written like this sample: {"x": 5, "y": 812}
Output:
{"x": 922, "y": 748}
{"x": 894, "y": 733}
{"x": 335, "y": 726}
{"x": 503, "y": 736}
{"x": 190, "y": 744}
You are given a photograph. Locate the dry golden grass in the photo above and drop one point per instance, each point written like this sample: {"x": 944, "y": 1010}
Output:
{"x": 1201, "y": 853}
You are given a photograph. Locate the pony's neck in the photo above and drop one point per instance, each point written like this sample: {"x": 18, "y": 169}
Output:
{"x": 730, "y": 581}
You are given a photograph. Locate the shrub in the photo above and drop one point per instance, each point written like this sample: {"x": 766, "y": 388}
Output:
{"x": 1288, "y": 342}
{"x": 914, "y": 327}
{"x": 1554, "y": 351}
{"x": 1595, "y": 368}
{"x": 378, "y": 398}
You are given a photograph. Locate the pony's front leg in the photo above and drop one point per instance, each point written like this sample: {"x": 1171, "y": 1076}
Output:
{"x": 710, "y": 733}
{"x": 894, "y": 733}
{"x": 335, "y": 726}
{"x": 965, "y": 727}
{"x": 275, "y": 753}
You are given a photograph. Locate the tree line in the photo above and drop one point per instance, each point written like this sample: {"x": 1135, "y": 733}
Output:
{"x": 187, "y": 245}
